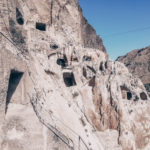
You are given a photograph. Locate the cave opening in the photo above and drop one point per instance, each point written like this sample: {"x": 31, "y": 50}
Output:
{"x": 41, "y": 26}
{"x": 63, "y": 62}
{"x": 126, "y": 94}
{"x": 14, "y": 79}
{"x": 69, "y": 79}
{"x": 129, "y": 95}
{"x": 19, "y": 17}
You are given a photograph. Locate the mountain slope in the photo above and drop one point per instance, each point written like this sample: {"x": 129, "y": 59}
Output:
{"x": 138, "y": 63}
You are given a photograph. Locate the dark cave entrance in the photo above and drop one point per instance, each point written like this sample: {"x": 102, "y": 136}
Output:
{"x": 129, "y": 95}
{"x": 62, "y": 61}
{"x": 126, "y": 94}
{"x": 69, "y": 79}
{"x": 14, "y": 79}
{"x": 40, "y": 26}
{"x": 19, "y": 17}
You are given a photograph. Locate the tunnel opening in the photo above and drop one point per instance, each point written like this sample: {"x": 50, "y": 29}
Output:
{"x": 69, "y": 79}
{"x": 19, "y": 17}
{"x": 14, "y": 79}
{"x": 62, "y": 61}
{"x": 129, "y": 95}
{"x": 40, "y": 26}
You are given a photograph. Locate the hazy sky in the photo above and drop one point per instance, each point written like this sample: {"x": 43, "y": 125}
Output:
{"x": 123, "y": 25}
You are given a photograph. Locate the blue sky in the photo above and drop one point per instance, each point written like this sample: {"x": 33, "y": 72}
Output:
{"x": 123, "y": 25}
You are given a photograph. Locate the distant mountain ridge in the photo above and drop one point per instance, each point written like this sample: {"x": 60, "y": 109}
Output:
{"x": 138, "y": 63}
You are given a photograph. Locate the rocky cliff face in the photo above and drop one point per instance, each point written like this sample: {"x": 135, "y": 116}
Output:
{"x": 58, "y": 88}
{"x": 138, "y": 63}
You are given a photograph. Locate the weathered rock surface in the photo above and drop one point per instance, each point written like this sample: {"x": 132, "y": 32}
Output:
{"x": 138, "y": 63}
{"x": 58, "y": 90}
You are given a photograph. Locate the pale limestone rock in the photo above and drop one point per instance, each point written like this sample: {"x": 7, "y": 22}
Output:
{"x": 66, "y": 94}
